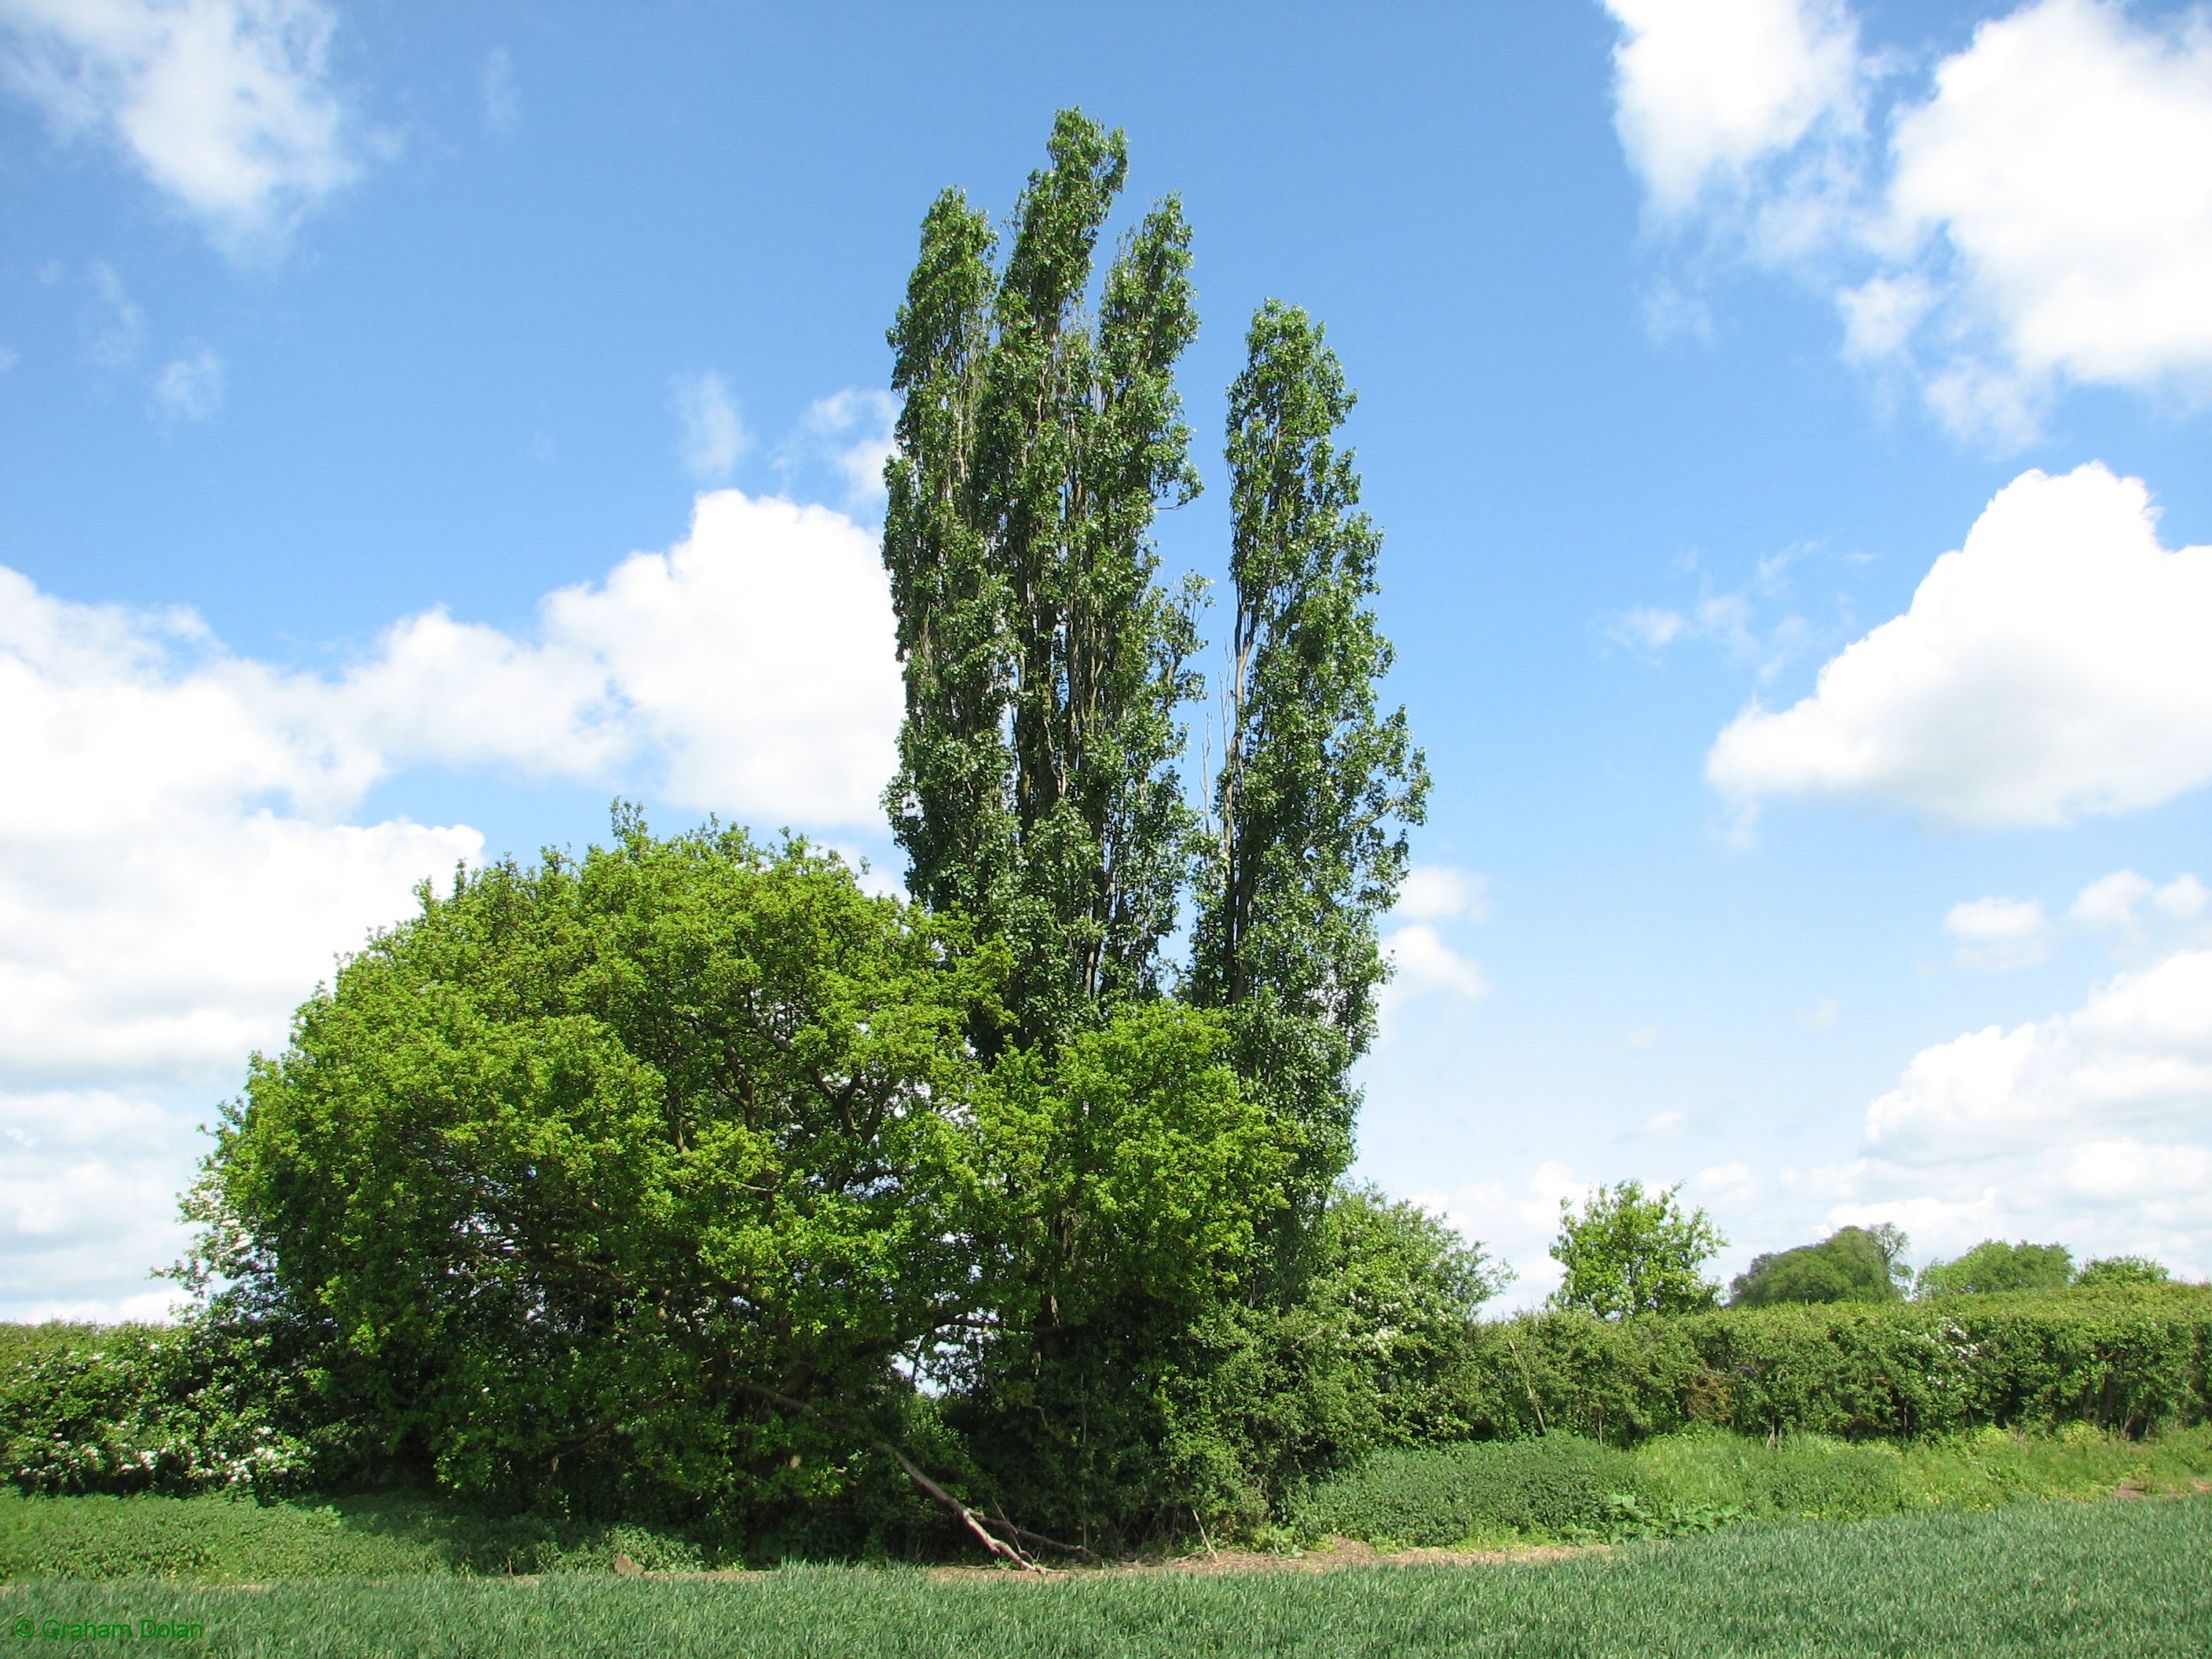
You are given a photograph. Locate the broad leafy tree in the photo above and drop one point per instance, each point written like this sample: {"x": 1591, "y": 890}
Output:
{"x": 1852, "y": 1264}
{"x": 2123, "y": 1270}
{"x": 588, "y": 1171}
{"x": 1628, "y": 1252}
{"x": 1993, "y": 1266}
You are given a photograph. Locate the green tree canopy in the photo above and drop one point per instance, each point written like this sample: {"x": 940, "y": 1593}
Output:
{"x": 1852, "y": 1264}
{"x": 1993, "y": 1266}
{"x": 1037, "y": 792}
{"x": 1318, "y": 785}
{"x": 1629, "y": 1252}
{"x": 2123, "y": 1270}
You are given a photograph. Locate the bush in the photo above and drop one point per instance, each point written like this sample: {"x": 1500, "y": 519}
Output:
{"x": 1561, "y": 1486}
{"x": 207, "y": 1405}
{"x": 2129, "y": 1359}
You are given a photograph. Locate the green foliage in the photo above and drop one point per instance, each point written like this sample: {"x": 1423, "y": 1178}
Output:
{"x": 2031, "y": 1581}
{"x": 1561, "y": 1488}
{"x": 1120, "y": 1185}
{"x": 1993, "y": 1266}
{"x": 2129, "y": 1360}
{"x": 1037, "y": 791}
{"x": 1316, "y": 786}
{"x": 570, "y": 1176}
{"x": 1151, "y": 1180}
{"x": 212, "y": 1404}
{"x": 225, "y": 1538}
{"x": 1852, "y": 1264}
{"x": 1627, "y": 1252}
{"x": 1557, "y": 1487}
{"x": 2112, "y": 1270}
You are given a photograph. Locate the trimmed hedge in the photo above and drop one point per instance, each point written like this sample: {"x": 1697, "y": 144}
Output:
{"x": 2129, "y": 1360}
{"x": 208, "y": 1404}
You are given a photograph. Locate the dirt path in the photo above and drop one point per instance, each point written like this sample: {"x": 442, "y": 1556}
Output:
{"x": 1332, "y": 1556}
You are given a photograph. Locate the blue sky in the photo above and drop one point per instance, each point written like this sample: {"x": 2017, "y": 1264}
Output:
{"x": 421, "y": 425}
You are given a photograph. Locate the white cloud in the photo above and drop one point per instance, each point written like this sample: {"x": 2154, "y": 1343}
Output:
{"x": 1703, "y": 94}
{"x": 2064, "y": 165}
{"x": 190, "y": 387}
{"x": 2109, "y": 903}
{"x": 1823, "y": 1014}
{"x": 1647, "y": 629}
{"x": 8, "y": 358}
{"x": 2053, "y": 667}
{"x": 2182, "y": 899}
{"x": 851, "y": 431}
{"x": 1437, "y": 892}
{"x": 1666, "y": 1126}
{"x": 712, "y": 436}
{"x": 175, "y": 873}
{"x": 1424, "y": 964}
{"x": 1645, "y": 1036}
{"x": 1731, "y": 1186}
{"x": 117, "y": 326}
{"x": 1996, "y": 934}
{"x": 2039, "y": 214}
{"x": 227, "y": 107}
{"x": 2114, "y": 904}
{"x": 501, "y": 98}
{"x": 2089, "y": 1126}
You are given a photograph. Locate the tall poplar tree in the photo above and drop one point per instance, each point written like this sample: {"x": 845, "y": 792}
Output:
{"x": 1316, "y": 785}
{"x": 1044, "y": 665}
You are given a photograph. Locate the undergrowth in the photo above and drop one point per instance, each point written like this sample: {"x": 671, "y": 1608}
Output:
{"x": 1561, "y": 1488}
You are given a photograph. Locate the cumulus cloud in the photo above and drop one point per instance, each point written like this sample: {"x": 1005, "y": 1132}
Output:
{"x": 225, "y": 106}
{"x": 2037, "y": 210}
{"x": 1704, "y": 95}
{"x": 1438, "y": 892}
{"x": 711, "y": 436}
{"x": 2051, "y": 668}
{"x": 1424, "y": 964}
{"x": 190, "y": 387}
{"x": 2089, "y": 1126}
{"x": 175, "y": 868}
{"x": 851, "y": 431}
{"x": 1996, "y": 934}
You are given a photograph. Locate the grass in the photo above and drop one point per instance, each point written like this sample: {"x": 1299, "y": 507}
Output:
{"x": 1562, "y": 1488}
{"x": 1521, "y": 1491}
{"x": 221, "y": 1540}
{"x": 2030, "y": 1579}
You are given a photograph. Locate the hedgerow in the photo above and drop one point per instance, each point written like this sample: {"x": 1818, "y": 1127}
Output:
{"x": 212, "y": 1404}
{"x": 2129, "y": 1360}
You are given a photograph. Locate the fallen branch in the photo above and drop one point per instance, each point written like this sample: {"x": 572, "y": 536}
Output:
{"x": 996, "y": 1546}
{"x": 974, "y": 1522}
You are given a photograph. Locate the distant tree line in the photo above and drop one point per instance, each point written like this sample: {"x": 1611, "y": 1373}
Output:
{"x": 1627, "y": 1251}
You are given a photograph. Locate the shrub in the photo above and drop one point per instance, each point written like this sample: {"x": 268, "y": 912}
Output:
{"x": 2129, "y": 1359}
{"x": 1558, "y": 1487}
{"x": 207, "y": 1405}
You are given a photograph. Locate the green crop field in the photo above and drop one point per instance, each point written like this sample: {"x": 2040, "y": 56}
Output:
{"x": 2099, "y": 1579}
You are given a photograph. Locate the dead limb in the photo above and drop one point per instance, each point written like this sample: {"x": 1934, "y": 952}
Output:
{"x": 968, "y": 1518}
